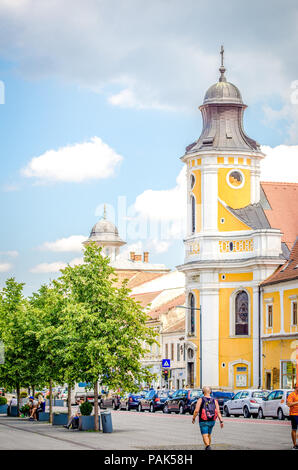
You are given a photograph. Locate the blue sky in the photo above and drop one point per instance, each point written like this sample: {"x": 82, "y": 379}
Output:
{"x": 59, "y": 96}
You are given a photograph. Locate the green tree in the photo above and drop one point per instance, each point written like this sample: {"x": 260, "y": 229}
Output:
{"x": 20, "y": 365}
{"x": 47, "y": 307}
{"x": 106, "y": 328}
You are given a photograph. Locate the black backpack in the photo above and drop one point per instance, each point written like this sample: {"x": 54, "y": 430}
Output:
{"x": 208, "y": 410}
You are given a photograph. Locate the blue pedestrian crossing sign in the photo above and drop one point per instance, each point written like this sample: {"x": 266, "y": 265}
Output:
{"x": 166, "y": 363}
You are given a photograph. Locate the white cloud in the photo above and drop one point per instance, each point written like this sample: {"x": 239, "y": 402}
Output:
{"x": 76, "y": 261}
{"x": 12, "y": 253}
{"x": 153, "y": 52}
{"x": 55, "y": 267}
{"x": 4, "y": 267}
{"x": 75, "y": 163}
{"x": 128, "y": 99}
{"x": 280, "y": 163}
{"x": 166, "y": 207}
{"x": 72, "y": 243}
{"x": 158, "y": 246}
{"x": 44, "y": 268}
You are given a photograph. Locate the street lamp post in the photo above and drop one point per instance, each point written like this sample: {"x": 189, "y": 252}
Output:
{"x": 200, "y": 310}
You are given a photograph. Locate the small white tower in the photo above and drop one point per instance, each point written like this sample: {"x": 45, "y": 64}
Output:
{"x": 105, "y": 234}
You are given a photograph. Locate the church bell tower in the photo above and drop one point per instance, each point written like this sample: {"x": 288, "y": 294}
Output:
{"x": 229, "y": 247}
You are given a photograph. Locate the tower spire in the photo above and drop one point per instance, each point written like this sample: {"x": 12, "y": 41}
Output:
{"x": 222, "y": 69}
{"x": 105, "y": 212}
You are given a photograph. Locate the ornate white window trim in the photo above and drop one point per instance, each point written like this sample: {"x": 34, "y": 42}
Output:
{"x": 231, "y": 372}
{"x": 294, "y": 301}
{"x": 233, "y": 313}
{"x": 268, "y": 305}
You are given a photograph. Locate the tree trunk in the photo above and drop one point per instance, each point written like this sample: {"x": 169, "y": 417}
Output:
{"x": 18, "y": 399}
{"x": 33, "y": 391}
{"x": 50, "y": 399}
{"x": 96, "y": 427}
{"x": 69, "y": 401}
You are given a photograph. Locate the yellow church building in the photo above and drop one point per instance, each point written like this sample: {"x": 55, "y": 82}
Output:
{"x": 280, "y": 324}
{"x": 239, "y": 236}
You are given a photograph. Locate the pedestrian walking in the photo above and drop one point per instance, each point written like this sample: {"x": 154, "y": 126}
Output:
{"x": 208, "y": 410}
{"x": 292, "y": 403}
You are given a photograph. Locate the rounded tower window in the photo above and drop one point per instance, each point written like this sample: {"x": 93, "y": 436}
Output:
{"x": 192, "y": 181}
{"x": 235, "y": 179}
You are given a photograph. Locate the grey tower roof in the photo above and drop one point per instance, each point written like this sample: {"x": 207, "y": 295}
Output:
{"x": 222, "y": 113}
{"x": 252, "y": 215}
{"x": 106, "y": 232}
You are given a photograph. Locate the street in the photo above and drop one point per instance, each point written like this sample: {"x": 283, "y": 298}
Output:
{"x": 146, "y": 431}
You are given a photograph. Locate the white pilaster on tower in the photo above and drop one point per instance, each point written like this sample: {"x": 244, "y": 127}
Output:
{"x": 210, "y": 332}
{"x": 209, "y": 198}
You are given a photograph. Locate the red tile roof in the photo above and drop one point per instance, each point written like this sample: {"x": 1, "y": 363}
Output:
{"x": 179, "y": 326}
{"x": 283, "y": 199}
{"x": 179, "y": 300}
{"x": 147, "y": 298}
{"x": 136, "y": 278}
{"x": 287, "y": 272}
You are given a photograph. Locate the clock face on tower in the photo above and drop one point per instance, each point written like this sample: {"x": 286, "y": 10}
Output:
{"x": 235, "y": 179}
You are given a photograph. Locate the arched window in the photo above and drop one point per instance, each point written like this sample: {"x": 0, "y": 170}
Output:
{"x": 193, "y": 214}
{"x": 192, "y": 314}
{"x": 241, "y": 313}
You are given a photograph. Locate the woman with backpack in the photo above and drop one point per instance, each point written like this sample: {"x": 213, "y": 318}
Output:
{"x": 208, "y": 410}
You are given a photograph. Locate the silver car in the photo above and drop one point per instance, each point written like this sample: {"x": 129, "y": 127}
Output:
{"x": 245, "y": 402}
{"x": 275, "y": 405}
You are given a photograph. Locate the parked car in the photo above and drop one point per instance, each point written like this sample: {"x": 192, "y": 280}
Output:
{"x": 110, "y": 400}
{"x": 219, "y": 395}
{"x": 154, "y": 400}
{"x": 130, "y": 401}
{"x": 181, "y": 400}
{"x": 274, "y": 405}
{"x": 245, "y": 402}
{"x": 86, "y": 396}
{"x": 222, "y": 397}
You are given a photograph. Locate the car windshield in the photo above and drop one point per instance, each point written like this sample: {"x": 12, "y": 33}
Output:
{"x": 196, "y": 393}
{"x": 259, "y": 394}
{"x": 150, "y": 394}
{"x": 163, "y": 394}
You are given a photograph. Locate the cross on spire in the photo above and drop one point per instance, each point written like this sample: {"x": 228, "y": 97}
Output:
{"x": 105, "y": 212}
{"x": 222, "y": 69}
{"x": 222, "y": 55}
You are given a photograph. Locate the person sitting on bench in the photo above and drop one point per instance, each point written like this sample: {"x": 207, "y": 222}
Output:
{"x": 73, "y": 422}
{"x": 41, "y": 406}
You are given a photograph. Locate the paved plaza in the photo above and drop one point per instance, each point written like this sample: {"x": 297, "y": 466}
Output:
{"x": 143, "y": 431}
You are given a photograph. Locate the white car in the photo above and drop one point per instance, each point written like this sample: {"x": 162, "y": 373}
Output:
{"x": 275, "y": 405}
{"x": 245, "y": 402}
